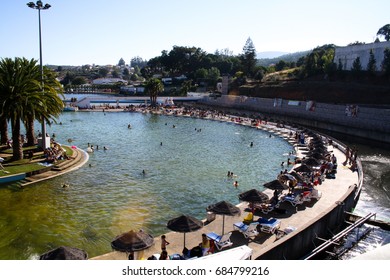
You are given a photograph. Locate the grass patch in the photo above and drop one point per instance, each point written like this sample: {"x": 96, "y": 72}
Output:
{"x": 22, "y": 168}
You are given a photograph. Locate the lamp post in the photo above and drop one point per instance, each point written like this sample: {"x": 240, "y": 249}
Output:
{"x": 39, "y": 6}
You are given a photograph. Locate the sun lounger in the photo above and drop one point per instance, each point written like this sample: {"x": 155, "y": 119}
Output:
{"x": 247, "y": 230}
{"x": 269, "y": 225}
{"x": 294, "y": 199}
{"x": 316, "y": 194}
{"x": 306, "y": 196}
{"x": 220, "y": 241}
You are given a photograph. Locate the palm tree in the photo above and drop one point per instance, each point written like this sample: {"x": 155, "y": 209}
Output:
{"x": 3, "y": 129}
{"x": 153, "y": 87}
{"x": 22, "y": 97}
{"x": 47, "y": 106}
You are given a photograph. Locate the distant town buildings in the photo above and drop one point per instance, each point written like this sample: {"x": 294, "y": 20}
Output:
{"x": 108, "y": 81}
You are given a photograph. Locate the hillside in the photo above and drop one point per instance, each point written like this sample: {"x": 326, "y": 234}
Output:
{"x": 321, "y": 91}
{"x": 289, "y": 57}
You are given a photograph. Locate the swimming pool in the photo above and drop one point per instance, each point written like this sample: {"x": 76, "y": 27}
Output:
{"x": 186, "y": 161}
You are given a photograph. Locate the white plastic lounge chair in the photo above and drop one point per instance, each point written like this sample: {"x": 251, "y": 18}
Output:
{"x": 220, "y": 241}
{"x": 247, "y": 230}
{"x": 315, "y": 194}
{"x": 269, "y": 225}
{"x": 306, "y": 196}
{"x": 293, "y": 199}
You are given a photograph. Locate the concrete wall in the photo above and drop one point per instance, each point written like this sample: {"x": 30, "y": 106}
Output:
{"x": 12, "y": 178}
{"x": 372, "y": 124}
{"x": 348, "y": 55}
{"x": 296, "y": 245}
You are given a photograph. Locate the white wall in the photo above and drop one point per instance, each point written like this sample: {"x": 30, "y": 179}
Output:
{"x": 350, "y": 53}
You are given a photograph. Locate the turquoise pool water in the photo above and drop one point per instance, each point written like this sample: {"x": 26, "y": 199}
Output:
{"x": 186, "y": 161}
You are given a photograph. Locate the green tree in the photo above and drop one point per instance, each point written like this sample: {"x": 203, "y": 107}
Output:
{"x": 384, "y": 31}
{"x": 386, "y": 62}
{"x": 185, "y": 87}
{"x": 213, "y": 75}
{"x": 126, "y": 74}
{"x": 22, "y": 98}
{"x": 340, "y": 66}
{"x": 281, "y": 65}
{"x": 103, "y": 71}
{"x": 356, "y": 68}
{"x": 3, "y": 130}
{"x": 67, "y": 80}
{"x": 134, "y": 77}
{"x": 320, "y": 61}
{"x": 121, "y": 62}
{"x": 79, "y": 81}
{"x": 260, "y": 73}
{"x": 138, "y": 61}
{"x": 47, "y": 107}
{"x": 201, "y": 74}
{"x": 248, "y": 58}
{"x": 154, "y": 87}
{"x": 371, "y": 66}
{"x": 115, "y": 73}
{"x": 356, "y": 65}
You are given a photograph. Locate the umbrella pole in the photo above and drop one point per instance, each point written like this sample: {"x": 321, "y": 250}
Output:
{"x": 184, "y": 240}
{"x": 223, "y": 224}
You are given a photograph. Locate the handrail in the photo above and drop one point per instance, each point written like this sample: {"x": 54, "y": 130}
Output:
{"x": 341, "y": 234}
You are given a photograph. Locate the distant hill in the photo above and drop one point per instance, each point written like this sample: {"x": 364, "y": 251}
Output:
{"x": 288, "y": 57}
{"x": 270, "y": 54}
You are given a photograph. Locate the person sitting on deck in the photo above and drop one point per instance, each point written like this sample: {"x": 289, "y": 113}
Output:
{"x": 205, "y": 245}
{"x": 248, "y": 219}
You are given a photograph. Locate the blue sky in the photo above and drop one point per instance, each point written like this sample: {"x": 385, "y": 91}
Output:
{"x": 78, "y": 32}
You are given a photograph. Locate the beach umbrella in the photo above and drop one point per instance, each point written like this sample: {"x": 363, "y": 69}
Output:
{"x": 132, "y": 241}
{"x": 311, "y": 162}
{"x": 253, "y": 195}
{"x": 287, "y": 177}
{"x": 297, "y": 176}
{"x": 317, "y": 155}
{"x": 184, "y": 224}
{"x": 277, "y": 185}
{"x": 303, "y": 168}
{"x": 319, "y": 148}
{"x": 64, "y": 253}
{"x": 224, "y": 208}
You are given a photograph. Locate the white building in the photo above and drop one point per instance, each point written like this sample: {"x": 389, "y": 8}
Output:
{"x": 108, "y": 81}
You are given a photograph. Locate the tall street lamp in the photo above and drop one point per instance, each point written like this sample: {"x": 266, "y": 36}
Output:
{"x": 39, "y": 6}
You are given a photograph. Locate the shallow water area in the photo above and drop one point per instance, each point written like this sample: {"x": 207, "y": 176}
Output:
{"x": 186, "y": 161}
